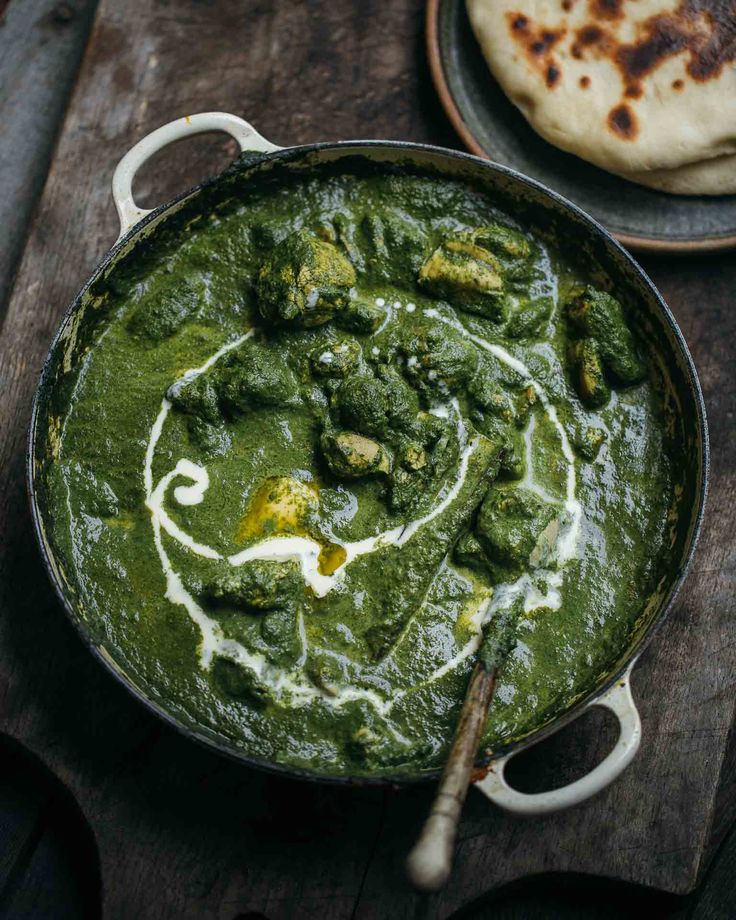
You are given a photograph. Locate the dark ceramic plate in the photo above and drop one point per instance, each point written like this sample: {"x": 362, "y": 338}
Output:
{"x": 492, "y": 127}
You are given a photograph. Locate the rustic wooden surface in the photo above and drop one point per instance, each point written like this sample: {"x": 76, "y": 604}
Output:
{"x": 41, "y": 46}
{"x": 180, "y": 832}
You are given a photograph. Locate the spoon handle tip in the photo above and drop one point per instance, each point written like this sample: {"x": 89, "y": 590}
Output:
{"x": 429, "y": 863}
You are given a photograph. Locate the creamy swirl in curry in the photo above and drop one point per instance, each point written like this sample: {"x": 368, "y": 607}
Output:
{"x": 330, "y": 429}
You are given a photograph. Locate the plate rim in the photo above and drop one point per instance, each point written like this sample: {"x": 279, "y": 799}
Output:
{"x": 452, "y": 110}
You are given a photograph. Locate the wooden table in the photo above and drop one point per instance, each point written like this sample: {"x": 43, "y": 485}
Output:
{"x": 180, "y": 832}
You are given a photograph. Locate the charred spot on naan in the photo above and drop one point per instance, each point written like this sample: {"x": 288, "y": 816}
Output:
{"x": 703, "y": 30}
{"x": 592, "y": 41}
{"x": 537, "y": 42}
{"x": 552, "y": 76}
{"x": 623, "y": 122}
{"x": 606, "y": 9}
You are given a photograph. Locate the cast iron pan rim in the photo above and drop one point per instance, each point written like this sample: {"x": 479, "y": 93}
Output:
{"x": 213, "y": 742}
{"x": 715, "y": 243}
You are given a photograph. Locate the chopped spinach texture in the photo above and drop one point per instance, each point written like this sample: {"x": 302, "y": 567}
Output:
{"x": 341, "y": 435}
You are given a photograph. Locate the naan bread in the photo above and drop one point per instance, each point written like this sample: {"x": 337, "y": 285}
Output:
{"x": 708, "y": 177}
{"x": 643, "y": 88}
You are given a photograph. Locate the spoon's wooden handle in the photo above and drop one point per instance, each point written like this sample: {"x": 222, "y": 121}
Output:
{"x": 430, "y": 861}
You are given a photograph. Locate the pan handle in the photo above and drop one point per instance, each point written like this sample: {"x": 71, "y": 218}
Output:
{"x": 122, "y": 181}
{"x": 621, "y": 703}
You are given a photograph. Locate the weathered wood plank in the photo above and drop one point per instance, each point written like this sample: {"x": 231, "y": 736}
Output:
{"x": 42, "y": 45}
{"x": 181, "y": 832}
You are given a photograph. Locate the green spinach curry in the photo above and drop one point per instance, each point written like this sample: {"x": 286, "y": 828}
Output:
{"x": 331, "y": 429}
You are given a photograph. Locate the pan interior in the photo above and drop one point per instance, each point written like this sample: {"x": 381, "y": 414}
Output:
{"x": 82, "y": 540}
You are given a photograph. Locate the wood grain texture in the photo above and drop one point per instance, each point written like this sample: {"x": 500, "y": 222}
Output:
{"x": 182, "y": 833}
{"x": 42, "y": 44}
